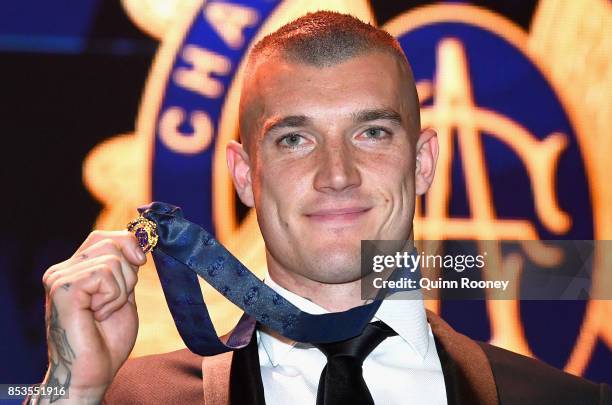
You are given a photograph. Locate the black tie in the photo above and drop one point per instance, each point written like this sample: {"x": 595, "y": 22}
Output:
{"x": 342, "y": 380}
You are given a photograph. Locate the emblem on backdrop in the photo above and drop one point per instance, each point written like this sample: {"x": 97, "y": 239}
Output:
{"x": 522, "y": 153}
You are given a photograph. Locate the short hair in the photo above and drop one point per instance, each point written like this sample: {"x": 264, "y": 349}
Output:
{"x": 325, "y": 38}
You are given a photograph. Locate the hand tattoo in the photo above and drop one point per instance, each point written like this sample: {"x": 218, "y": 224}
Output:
{"x": 61, "y": 358}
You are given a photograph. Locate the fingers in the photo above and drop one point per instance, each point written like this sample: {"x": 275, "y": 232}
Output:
{"x": 100, "y": 276}
{"x": 91, "y": 256}
{"x": 98, "y": 285}
{"x": 100, "y": 289}
{"x": 125, "y": 240}
{"x": 111, "y": 247}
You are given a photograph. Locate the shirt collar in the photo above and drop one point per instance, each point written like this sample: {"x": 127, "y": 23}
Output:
{"x": 404, "y": 314}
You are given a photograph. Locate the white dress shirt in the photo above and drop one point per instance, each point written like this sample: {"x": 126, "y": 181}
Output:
{"x": 403, "y": 369}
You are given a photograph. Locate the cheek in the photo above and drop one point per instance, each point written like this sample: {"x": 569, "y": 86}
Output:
{"x": 391, "y": 173}
{"x": 278, "y": 189}
{"x": 394, "y": 185}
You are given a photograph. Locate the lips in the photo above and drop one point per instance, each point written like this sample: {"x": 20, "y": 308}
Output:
{"x": 338, "y": 214}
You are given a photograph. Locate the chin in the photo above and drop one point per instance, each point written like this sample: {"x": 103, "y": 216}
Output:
{"x": 336, "y": 266}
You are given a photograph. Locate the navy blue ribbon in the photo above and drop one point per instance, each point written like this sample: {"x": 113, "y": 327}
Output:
{"x": 185, "y": 250}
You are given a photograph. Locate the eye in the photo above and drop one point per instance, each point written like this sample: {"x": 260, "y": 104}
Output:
{"x": 375, "y": 133}
{"x": 291, "y": 141}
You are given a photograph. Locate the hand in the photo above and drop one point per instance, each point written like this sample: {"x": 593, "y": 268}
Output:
{"x": 92, "y": 321}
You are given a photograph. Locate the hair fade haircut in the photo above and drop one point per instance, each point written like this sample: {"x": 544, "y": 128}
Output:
{"x": 325, "y": 38}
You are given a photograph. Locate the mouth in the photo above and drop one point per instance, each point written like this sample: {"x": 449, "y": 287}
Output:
{"x": 341, "y": 215}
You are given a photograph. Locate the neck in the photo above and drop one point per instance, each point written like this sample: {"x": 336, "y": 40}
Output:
{"x": 332, "y": 297}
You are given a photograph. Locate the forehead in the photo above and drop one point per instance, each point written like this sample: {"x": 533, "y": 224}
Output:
{"x": 374, "y": 80}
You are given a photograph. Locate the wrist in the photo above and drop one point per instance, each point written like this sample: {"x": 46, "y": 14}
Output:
{"x": 57, "y": 390}
{"x": 71, "y": 396}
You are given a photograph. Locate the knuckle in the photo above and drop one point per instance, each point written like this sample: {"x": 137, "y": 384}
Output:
{"x": 49, "y": 280}
{"x": 125, "y": 233}
{"x": 45, "y": 281}
{"x": 113, "y": 261}
{"x": 46, "y": 276}
{"x": 51, "y": 269}
{"x": 108, "y": 279}
{"x": 118, "y": 236}
{"x": 81, "y": 256}
{"x": 125, "y": 236}
{"x": 95, "y": 234}
{"x": 128, "y": 239}
{"x": 106, "y": 270}
{"x": 111, "y": 244}
{"x": 116, "y": 291}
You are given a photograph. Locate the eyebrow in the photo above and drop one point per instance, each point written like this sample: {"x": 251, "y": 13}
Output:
{"x": 291, "y": 121}
{"x": 377, "y": 114}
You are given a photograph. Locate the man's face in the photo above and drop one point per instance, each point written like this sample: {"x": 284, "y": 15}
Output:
{"x": 331, "y": 161}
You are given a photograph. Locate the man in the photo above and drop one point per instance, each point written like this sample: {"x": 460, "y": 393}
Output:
{"x": 332, "y": 153}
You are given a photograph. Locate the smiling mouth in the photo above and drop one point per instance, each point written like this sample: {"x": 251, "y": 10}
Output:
{"x": 338, "y": 214}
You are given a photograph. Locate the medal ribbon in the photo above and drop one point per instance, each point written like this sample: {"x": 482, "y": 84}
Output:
{"x": 184, "y": 250}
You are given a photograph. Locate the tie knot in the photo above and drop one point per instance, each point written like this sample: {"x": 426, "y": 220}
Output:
{"x": 360, "y": 346}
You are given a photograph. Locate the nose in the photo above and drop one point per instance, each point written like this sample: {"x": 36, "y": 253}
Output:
{"x": 337, "y": 170}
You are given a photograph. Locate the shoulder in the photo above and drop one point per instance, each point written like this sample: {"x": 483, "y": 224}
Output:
{"x": 524, "y": 380}
{"x": 174, "y": 377}
{"x": 516, "y": 379}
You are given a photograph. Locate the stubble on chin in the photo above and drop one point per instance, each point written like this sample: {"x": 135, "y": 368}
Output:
{"x": 331, "y": 266}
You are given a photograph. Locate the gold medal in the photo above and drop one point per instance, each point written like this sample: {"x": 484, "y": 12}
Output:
{"x": 145, "y": 232}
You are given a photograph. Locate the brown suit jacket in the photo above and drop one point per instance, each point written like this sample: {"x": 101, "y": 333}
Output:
{"x": 474, "y": 373}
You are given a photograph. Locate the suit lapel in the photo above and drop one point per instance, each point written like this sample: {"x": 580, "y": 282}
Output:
{"x": 451, "y": 376}
{"x": 215, "y": 378}
{"x": 467, "y": 372}
{"x": 245, "y": 386}
{"x": 233, "y": 378}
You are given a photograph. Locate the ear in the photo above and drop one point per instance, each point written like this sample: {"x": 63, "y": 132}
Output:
{"x": 240, "y": 169}
{"x": 426, "y": 158}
